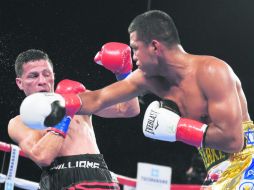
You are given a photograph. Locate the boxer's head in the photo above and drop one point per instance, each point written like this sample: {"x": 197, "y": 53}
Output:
{"x": 148, "y": 33}
{"x": 34, "y": 72}
{"x": 155, "y": 25}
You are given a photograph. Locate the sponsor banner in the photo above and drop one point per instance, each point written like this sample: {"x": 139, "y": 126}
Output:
{"x": 153, "y": 177}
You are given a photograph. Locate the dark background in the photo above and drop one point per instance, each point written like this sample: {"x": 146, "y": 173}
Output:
{"x": 71, "y": 32}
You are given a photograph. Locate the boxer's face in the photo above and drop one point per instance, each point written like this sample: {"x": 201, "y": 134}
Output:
{"x": 37, "y": 76}
{"x": 143, "y": 54}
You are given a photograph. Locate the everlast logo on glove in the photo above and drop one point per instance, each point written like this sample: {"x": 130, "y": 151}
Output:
{"x": 150, "y": 123}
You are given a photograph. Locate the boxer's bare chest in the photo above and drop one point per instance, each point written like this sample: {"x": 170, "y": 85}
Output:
{"x": 80, "y": 137}
{"x": 187, "y": 95}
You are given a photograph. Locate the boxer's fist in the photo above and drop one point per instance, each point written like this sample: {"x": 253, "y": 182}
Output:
{"x": 41, "y": 110}
{"x": 115, "y": 57}
{"x": 67, "y": 86}
{"x": 162, "y": 121}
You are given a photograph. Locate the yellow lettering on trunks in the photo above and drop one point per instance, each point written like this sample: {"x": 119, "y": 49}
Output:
{"x": 211, "y": 156}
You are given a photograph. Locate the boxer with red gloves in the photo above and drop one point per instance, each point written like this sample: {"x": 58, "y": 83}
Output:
{"x": 210, "y": 97}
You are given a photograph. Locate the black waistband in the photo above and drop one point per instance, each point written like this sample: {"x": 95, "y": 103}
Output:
{"x": 77, "y": 161}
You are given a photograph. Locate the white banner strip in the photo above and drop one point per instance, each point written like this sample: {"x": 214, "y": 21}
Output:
{"x": 9, "y": 182}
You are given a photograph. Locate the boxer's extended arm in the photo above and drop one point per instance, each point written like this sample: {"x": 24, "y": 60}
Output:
{"x": 125, "y": 109}
{"x": 51, "y": 107}
{"x": 129, "y": 108}
{"x": 120, "y": 91}
{"x": 39, "y": 145}
{"x": 218, "y": 83}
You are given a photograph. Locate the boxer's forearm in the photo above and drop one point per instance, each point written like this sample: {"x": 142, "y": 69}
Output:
{"x": 227, "y": 139}
{"x": 46, "y": 149}
{"x": 90, "y": 103}
{"x": 130, "y": 108}
{"x": 94, "y": 101}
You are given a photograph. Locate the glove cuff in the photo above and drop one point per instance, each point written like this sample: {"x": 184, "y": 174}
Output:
{"x": 191, "y": 132}
{"x": 62, "y": 127}
{"x": 122, "y": 76}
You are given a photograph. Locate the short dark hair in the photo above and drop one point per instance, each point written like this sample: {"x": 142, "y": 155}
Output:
{"x": 155, "y": 24}
{"x": 29, "y": 55}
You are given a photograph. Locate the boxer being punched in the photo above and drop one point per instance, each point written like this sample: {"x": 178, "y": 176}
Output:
{"x": 203, "y": 101}
{"x": 67, "y": 153}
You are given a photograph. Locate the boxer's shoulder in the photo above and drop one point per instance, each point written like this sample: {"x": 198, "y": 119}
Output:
{"x": 209, "y": 63}
{"x": 18, "y": 131}
{"x": 15, "y": 122}
{"x": 139, "y": 78}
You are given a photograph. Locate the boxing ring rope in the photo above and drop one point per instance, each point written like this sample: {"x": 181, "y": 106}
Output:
{"x": 30, "y": 185}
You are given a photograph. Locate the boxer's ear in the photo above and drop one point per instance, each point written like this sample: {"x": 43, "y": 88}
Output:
{"x": 19, "y": 83}
{"x": 156, "y": 46}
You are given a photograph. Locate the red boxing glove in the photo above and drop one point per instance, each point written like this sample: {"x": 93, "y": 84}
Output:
{"x": 67, "y": 86}
{"x": 115, "y": 57}
{"x": 69, "y": 90}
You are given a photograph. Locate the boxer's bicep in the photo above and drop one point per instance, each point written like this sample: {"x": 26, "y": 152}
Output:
{"x": 218, "y": 85}
{"x": 22, "y": 135}
{"x": 16, "y": 129}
